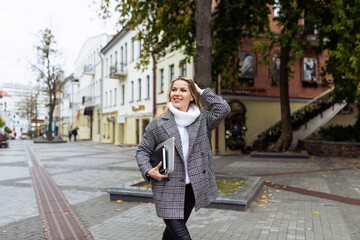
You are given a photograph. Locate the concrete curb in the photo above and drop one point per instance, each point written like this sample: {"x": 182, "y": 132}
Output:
{"x": 255, "y": 154}
{"x": 239, "y": 200}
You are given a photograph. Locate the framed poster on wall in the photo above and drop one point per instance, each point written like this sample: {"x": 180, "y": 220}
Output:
{"x": 246, "y": 65}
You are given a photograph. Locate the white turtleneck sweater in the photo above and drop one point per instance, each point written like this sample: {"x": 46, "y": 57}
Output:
{"x": 184, "y": 119}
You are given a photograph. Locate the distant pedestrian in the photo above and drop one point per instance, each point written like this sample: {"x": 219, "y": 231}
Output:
{"x": 70, "y": 133}
{"x": 14, "y": 134}
{"x": 75, "y": 132}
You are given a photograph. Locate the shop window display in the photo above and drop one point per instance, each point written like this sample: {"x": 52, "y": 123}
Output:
{"x": 235, "y": 126}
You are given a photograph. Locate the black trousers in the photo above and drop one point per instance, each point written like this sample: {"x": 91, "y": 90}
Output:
{"x": 176, "y": 228}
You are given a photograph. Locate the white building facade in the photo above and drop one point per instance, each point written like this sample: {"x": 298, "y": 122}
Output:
{"x": 12, "y": 107}
{"x": 87, "y": 88}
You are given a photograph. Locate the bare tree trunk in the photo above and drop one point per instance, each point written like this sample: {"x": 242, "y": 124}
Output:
{"x": 284, "y": 142}
{"x": 203, "y": 43}
{"x": 51, "y": 118}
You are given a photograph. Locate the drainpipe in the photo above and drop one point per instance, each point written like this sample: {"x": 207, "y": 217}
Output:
{"x": 101, "y": 93}
{"x": 154, "y": 84}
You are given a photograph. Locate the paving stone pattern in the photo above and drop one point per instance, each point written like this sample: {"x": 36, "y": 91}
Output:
{"x": 85, "y": 170}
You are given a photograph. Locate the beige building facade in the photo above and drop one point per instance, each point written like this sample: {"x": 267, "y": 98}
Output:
{"x": 127, "y": 92}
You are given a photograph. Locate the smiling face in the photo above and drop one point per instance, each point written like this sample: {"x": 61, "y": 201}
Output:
{"x": 180, "y": 95}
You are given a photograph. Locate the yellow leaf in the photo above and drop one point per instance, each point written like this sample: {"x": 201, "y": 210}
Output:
{"x": 101, "y": 202}
{"x": 260, "y": 205}
{"x": 317, "y": 213}
{"x": 119, "y": 201}
{"x": 118, "y": 209}
{"x": 4, "y": 231}
{"x": 66, "y": 212}
{"x": 148, "y": 224}
{"x": 263, "y": 196}
{"x": 160, "y": 225}
{"x": 74, "y": 185}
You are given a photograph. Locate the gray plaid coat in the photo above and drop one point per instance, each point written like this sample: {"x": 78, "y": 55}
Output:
{"x": 169, "y": 195}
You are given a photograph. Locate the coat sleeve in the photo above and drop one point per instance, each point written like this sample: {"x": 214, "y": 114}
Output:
{"x": 220, "y": 108}
{"x": 145, "y": 149}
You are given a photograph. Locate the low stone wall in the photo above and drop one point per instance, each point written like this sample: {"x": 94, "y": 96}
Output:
{"x": 335, "y": 149}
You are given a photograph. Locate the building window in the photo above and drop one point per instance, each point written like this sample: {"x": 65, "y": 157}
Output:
{"x": 115, "y": 92}
{"x": 116, "y": 59}
{"x": 111, "y": 63}
{"x": 132, "y": 91}
{"x": 139, "y": 48}
{"x": 139, "y": 93}
{"x": 171, "y": 72}
{"x": 110, "y": 98}
{"x": 123, "y": 94}
{"x": 132, "y": 50}
{"x": 125, "y": 59}
{"x": 147, "y": 86}
{"x": 183, "y": 68}
{"x": 121, "y": 56}
{"x": 161, "y": 80}
{"x": 107, "y": 67}
{"x": 106, "y": 99}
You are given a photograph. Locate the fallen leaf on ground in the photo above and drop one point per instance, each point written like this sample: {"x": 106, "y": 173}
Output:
{"x": 119, "y": 201}
{"x": 316, "y": 213}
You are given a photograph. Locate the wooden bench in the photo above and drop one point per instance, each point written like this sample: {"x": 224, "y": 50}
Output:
{"x": 4, "y": 144}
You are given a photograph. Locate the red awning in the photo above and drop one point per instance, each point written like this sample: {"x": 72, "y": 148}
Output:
{"x": 4, "y": 94}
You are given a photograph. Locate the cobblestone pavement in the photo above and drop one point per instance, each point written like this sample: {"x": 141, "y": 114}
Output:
{"x": 85, "y": 170}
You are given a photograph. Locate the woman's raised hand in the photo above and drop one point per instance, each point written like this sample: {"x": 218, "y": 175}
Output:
{"x": 198, "y": 89}
{"x": 155, "y": 173}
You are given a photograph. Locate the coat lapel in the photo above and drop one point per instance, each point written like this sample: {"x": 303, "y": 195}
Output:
{"x": 173, "y": 131}
{"x": 193, "y": 130}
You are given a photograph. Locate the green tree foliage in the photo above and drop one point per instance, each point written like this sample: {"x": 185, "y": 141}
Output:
{"x": 340, "y": 34}
{"x": 2, "y": 122}
{"x": 50, "y": 74}
{"x": 162, "y": 26}
{"x": 296, "y": 21}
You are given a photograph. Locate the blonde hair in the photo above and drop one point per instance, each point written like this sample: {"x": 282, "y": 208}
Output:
{"x": 193, "y": 92}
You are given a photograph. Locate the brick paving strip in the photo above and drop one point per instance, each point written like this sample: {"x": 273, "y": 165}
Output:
{"x": 327, "y": 196}
{"x": 305, "y": 171}
{"x": 59, "y": 219}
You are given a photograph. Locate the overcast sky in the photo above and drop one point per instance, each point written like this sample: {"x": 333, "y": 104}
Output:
{"x": 72, "y": 22}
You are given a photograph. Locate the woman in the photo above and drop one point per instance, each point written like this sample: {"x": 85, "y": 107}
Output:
{"x": 192, "y": 183}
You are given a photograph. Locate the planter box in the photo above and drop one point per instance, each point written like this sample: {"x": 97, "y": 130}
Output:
{"x": 333, "y": 149}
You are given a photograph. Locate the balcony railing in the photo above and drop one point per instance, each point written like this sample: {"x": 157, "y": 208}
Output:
{"x": 118, "y": 71}
{"x": 87, "y": 100}
{"x": 89, "y": 69}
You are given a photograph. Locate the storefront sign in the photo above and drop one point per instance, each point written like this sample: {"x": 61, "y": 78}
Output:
{"x": 228, "y": 91}
{"x": 141, "y": 107}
